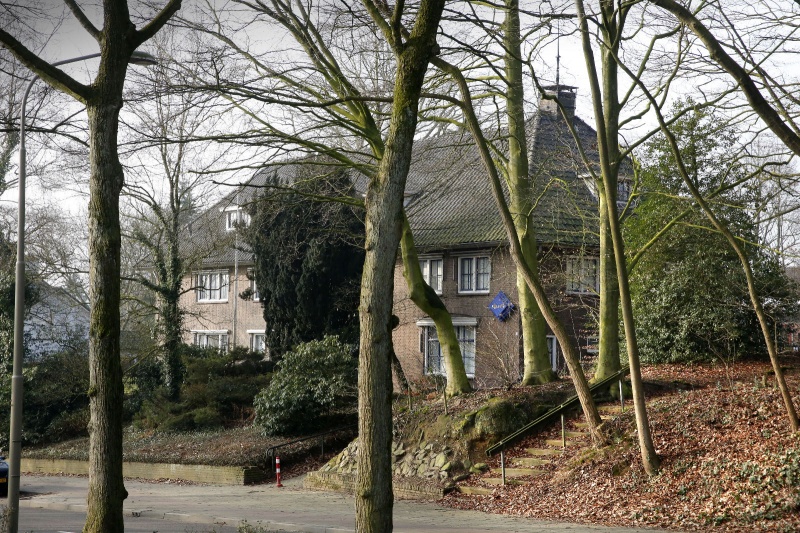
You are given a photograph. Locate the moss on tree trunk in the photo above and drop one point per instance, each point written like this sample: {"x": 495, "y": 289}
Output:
{"x": 429, "y": 302}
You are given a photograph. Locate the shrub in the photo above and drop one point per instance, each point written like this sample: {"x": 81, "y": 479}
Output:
{"x": 217, "y": 389}
{"x": 312, "y": 381}
{"x": 55, "y": 398}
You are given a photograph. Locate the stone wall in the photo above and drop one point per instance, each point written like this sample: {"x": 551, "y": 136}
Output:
{"x": 220, "y": 475}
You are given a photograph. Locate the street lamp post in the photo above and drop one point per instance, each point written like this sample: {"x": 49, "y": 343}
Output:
{"x": 15, "y": 439}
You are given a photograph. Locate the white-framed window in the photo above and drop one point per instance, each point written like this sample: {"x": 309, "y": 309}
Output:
{"x": 251, "y": 276}
{"x": 258, "y": 341}
{"x": 212, "y": 286}
{"x": 432, "y": 350}
{"x": 235, "y": 216}
{"x": 474, "y": 274}
{"x": 592, "y": 345}
{"x": 623, "y": 193}
{"x": 433, "y": 272}
{"x": 583, "y": 275}
{"x": 211, "y": 339}
{"x": 554, "y": 351}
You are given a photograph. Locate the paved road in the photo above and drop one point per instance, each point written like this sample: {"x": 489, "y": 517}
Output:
{"x": 167, "y": 507}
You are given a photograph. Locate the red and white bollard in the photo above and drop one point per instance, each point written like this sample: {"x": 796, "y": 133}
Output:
{"x": 278, "y": 471}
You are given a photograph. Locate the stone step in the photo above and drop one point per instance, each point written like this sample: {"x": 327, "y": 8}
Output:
{"x": 576, "y": 434}
{"x": 609, "y": 409}
{"x": 531, "y": 461}
{"x": 471, "y": 489}
{"x": 542, "y": 451}
{"x": 558, "y": 443}
{"x": 499, "y": 481}
{"x": 517, "y": 472}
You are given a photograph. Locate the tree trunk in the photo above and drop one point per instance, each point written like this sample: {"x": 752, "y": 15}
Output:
{"x": 608, "y": 360}
{"x": 106, "y": 488}
{"x": 536, "y": 359}
{"x": 570, "y": 354}
{"x": 606, "y": 113}
{"x": 384, "y": 204}
{"x": 429, "y": 302}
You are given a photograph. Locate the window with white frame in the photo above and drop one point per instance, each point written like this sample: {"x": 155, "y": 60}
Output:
{"x": 212, "y": 286}
{"x": 433, "y": 272}
{"x": 432, "y": 350}
{"x": 211, "y": 339}
{"x": 623, "y": 192}
{"x": 236, "y": 216}
{"x": 554, "y": 351}
{"x": 583, "y": 275}
{"x": 258, "y": 341}
{"x": 474, "y": 274}
{"x": 251, "y": 275}
{"x": 592, "y": 345}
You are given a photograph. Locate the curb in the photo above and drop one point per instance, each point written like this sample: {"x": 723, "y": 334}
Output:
{"x": 193, "y": 518}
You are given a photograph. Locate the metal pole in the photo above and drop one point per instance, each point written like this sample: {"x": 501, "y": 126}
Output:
{"x": 15, "y": 437}
{"x": 621, "y": 397}
{"x": 563, "y": 432}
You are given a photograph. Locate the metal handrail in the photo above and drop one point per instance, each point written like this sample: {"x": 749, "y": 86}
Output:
{"x": 272, "y": 449}
{"x": 527, "y": 429}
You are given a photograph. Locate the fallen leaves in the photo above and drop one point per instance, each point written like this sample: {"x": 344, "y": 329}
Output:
{"x": 729, "y": 462}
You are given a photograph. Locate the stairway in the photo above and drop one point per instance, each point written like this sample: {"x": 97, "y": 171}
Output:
{"x": 537, "y": 461}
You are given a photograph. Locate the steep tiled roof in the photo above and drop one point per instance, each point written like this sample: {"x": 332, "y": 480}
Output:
{"x": 452, "y": 203}
{"x": 449, "y": 200}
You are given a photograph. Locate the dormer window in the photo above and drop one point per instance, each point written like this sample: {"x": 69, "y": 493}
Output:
{"x": 623, "y": 193}
{"x": 236, "y": 216}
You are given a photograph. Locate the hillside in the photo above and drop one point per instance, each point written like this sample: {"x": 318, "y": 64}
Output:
{"x": 729, "y": 462}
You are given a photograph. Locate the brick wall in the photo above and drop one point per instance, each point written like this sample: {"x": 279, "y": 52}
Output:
{"x": 219, "y": 315}
{"x": 497, "y": 350}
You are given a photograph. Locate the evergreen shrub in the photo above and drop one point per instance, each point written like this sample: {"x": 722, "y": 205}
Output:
{"x": 313, "y": 384}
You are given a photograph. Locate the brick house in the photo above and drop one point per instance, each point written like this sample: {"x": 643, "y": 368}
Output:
{"x": 215, "y": 315}
{"x": 464, "y": 254}
{"x": 462, "y": 248}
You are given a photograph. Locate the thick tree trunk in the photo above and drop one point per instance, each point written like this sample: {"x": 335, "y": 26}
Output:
{"x": 106, "y": 488}
{"x": 429, "y": 302}
{"x": 536, "y": 359}
{"x": 384, "y": 204}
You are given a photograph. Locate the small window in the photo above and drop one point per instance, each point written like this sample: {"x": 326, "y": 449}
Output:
{"x": 583, "y": 275}
{"x": 474, "y": 274}
{"x": 433, "y": 273}
{"x": 235, "y": 217}
{"x": 623, "y": 193}
{"x": 212, "y": 339}
{"x": 432, "y": 350}
{"x": 554, "y": 351}
{"x": 592, "y": 345}
{"x": 251, "y": 275}
{"x": 258, "y": 342}
{"x": 212, "y": 286}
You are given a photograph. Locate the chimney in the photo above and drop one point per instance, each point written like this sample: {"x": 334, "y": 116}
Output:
{"x": 566, "y": 95}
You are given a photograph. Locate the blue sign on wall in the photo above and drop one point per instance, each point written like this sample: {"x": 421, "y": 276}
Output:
{"x": 501, "y": 306}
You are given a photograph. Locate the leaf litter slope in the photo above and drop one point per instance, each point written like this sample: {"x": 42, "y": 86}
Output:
{"x": 729, "y": 462}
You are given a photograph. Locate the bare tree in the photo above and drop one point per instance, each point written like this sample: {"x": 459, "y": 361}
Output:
{"x": 117, "y": 38}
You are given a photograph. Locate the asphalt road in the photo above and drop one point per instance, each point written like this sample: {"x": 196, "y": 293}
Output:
{"x": 60, "y": 521}
{"x": 58, "y": 504}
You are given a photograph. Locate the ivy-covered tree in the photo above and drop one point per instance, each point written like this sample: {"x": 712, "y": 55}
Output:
{"x": 307, "y": 240}
{"x": 689, "y": 292}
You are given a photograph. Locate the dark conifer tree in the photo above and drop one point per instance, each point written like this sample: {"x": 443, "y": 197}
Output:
{"x": 307, "y": 240}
